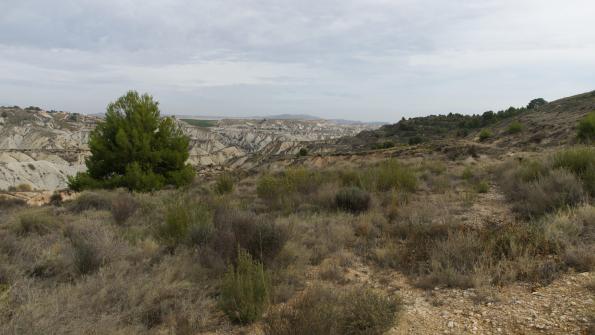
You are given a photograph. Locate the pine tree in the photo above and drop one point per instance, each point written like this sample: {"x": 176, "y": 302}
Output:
{"x": 135, "y": 148}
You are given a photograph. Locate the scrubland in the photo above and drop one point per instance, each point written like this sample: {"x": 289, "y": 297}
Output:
{"x": 382, "y": 246}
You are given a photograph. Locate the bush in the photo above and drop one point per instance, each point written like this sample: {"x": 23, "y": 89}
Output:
{"x": 123, "y": 206}
{"x": 135, "y": 148}
{"x": 86, "y": 257}
{"x": 415, "y": 140}
{"x": 387, "y": 176}
{"x": 224, "y": 184}
{"x": 323, "y": 311}
{"x": 36, "y": 221}
{"x": 90, "y": 200}
{"x": 10, "y": 202}
{"x": 586, "y": 128}
{"x": 245, "y": 290}
{"x": 367, "y": 312}
{"x": 185, "y": 222}
{"x": 303, "y": 152}
{"x": 56, "y": 199}
{"x": 482, "y": 187}
{"x": 262, "y": 238}
{"x": 353, "y": 200}
{"x": 581, "y": 162}
{"x": 485, "y": 134}
{"x": 515, "y": 127}
{"x": 467, "y": 173}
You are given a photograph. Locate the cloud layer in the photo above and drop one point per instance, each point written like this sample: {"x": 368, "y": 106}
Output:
{"x": 358, "y": 59}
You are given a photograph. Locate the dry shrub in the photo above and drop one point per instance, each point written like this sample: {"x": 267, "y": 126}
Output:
{"x": 224, "y": 184}
{"x": 123, "y": 206}
{"x": 185, "y": 222}
{"x": 37, "y": 221}
{"x": 353, "y": 200}
{"x": 449, "y": 255}
{"x": 10, "y": 202}
{"x": 322, "y": 310}
{"x": 535, "y": 192}
{"x": 97, "y": 200}
{"x": 259, "y": 235}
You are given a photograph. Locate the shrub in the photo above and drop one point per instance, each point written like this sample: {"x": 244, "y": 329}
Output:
{"x": 185, "y": 222}
{"x": 90, "y": 200}
{"x": 9, "y": 202}
{"x": 23, "y": 188}
{"x": 135, "y": 148}
{"x": 415, "y": 140}
{"x": 56, "y": 199}
{"x": 86, "y": 257}
{"x": 353, "y": 199}
{"x": 515, "y": 127}
{"x": 303, "y": 152}
{"x": 36, "y": 221}
{"x": 482, "y": 187}
{"x": 269, "y": 188}
{"x": 367, "y": 312}
{"x": 224, "y": 184}
{"x": 467, "y": 173}
{"x": 323, "y": 311}
{"x": 389, "y": 175}
{"x": 123, "y": 206}
{"x": 586, "y": 128}
{"x": 485, "y": 134}
{"x": 581, "y": 162}
{"x": 262, "y": 238}
{"x": 245, "y": 290}
{"x": 316, "y": 312}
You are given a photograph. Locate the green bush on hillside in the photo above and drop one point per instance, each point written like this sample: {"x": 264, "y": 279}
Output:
{"x": 586, "y": 128}
{"x": 135, "y": 148}
{"x": 485, "y": 134}
{"x": 515, "y": 127}
{"x": 224, "y": 184}
{"x": 245, "y": 290}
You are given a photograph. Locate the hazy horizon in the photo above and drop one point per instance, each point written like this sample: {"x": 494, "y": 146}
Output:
{"x": 370, "y": 60}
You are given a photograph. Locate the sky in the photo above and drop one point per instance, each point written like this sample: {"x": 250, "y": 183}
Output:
{"x": 370, "y": 60}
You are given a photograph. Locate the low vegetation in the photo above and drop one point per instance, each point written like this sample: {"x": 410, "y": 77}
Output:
{"x": 295, "y": 251}
{"x": 586, "y": 128}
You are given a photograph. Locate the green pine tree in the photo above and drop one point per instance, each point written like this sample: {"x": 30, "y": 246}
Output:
{"x": 135, "y": 148}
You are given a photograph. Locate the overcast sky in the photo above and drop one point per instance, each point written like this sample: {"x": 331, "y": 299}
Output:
{"x": 353, "y": 59}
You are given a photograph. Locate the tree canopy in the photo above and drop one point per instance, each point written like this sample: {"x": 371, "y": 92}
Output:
{"x": 135, "y": 148}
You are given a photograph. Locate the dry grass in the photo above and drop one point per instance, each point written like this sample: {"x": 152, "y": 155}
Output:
{"x": 160, "y": 267}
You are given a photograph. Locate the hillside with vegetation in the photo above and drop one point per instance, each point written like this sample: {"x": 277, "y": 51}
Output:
{"x": 478, "y": 234}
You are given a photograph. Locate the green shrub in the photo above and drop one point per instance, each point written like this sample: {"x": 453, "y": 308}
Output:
{"x": 269, "y": 188}
{"x": 485, "y": 134}
{"x": 415, "y": 140}
{"x": 353, "y": 199}
{"x": 185, "y": 222}
{"x": 389, "y": 175}
{"x": 515, "y": 127}
{"x": 467, "y": 173}
{"x": 303, "y": 152}
{"x": 245, "y": 290}
{"x": 224, "y": 184}
{"x": 586, "y": 128}
{"x": 581, "y": 162}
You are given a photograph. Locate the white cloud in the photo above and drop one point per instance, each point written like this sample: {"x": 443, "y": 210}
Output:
{"x": 376, "y": 59}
